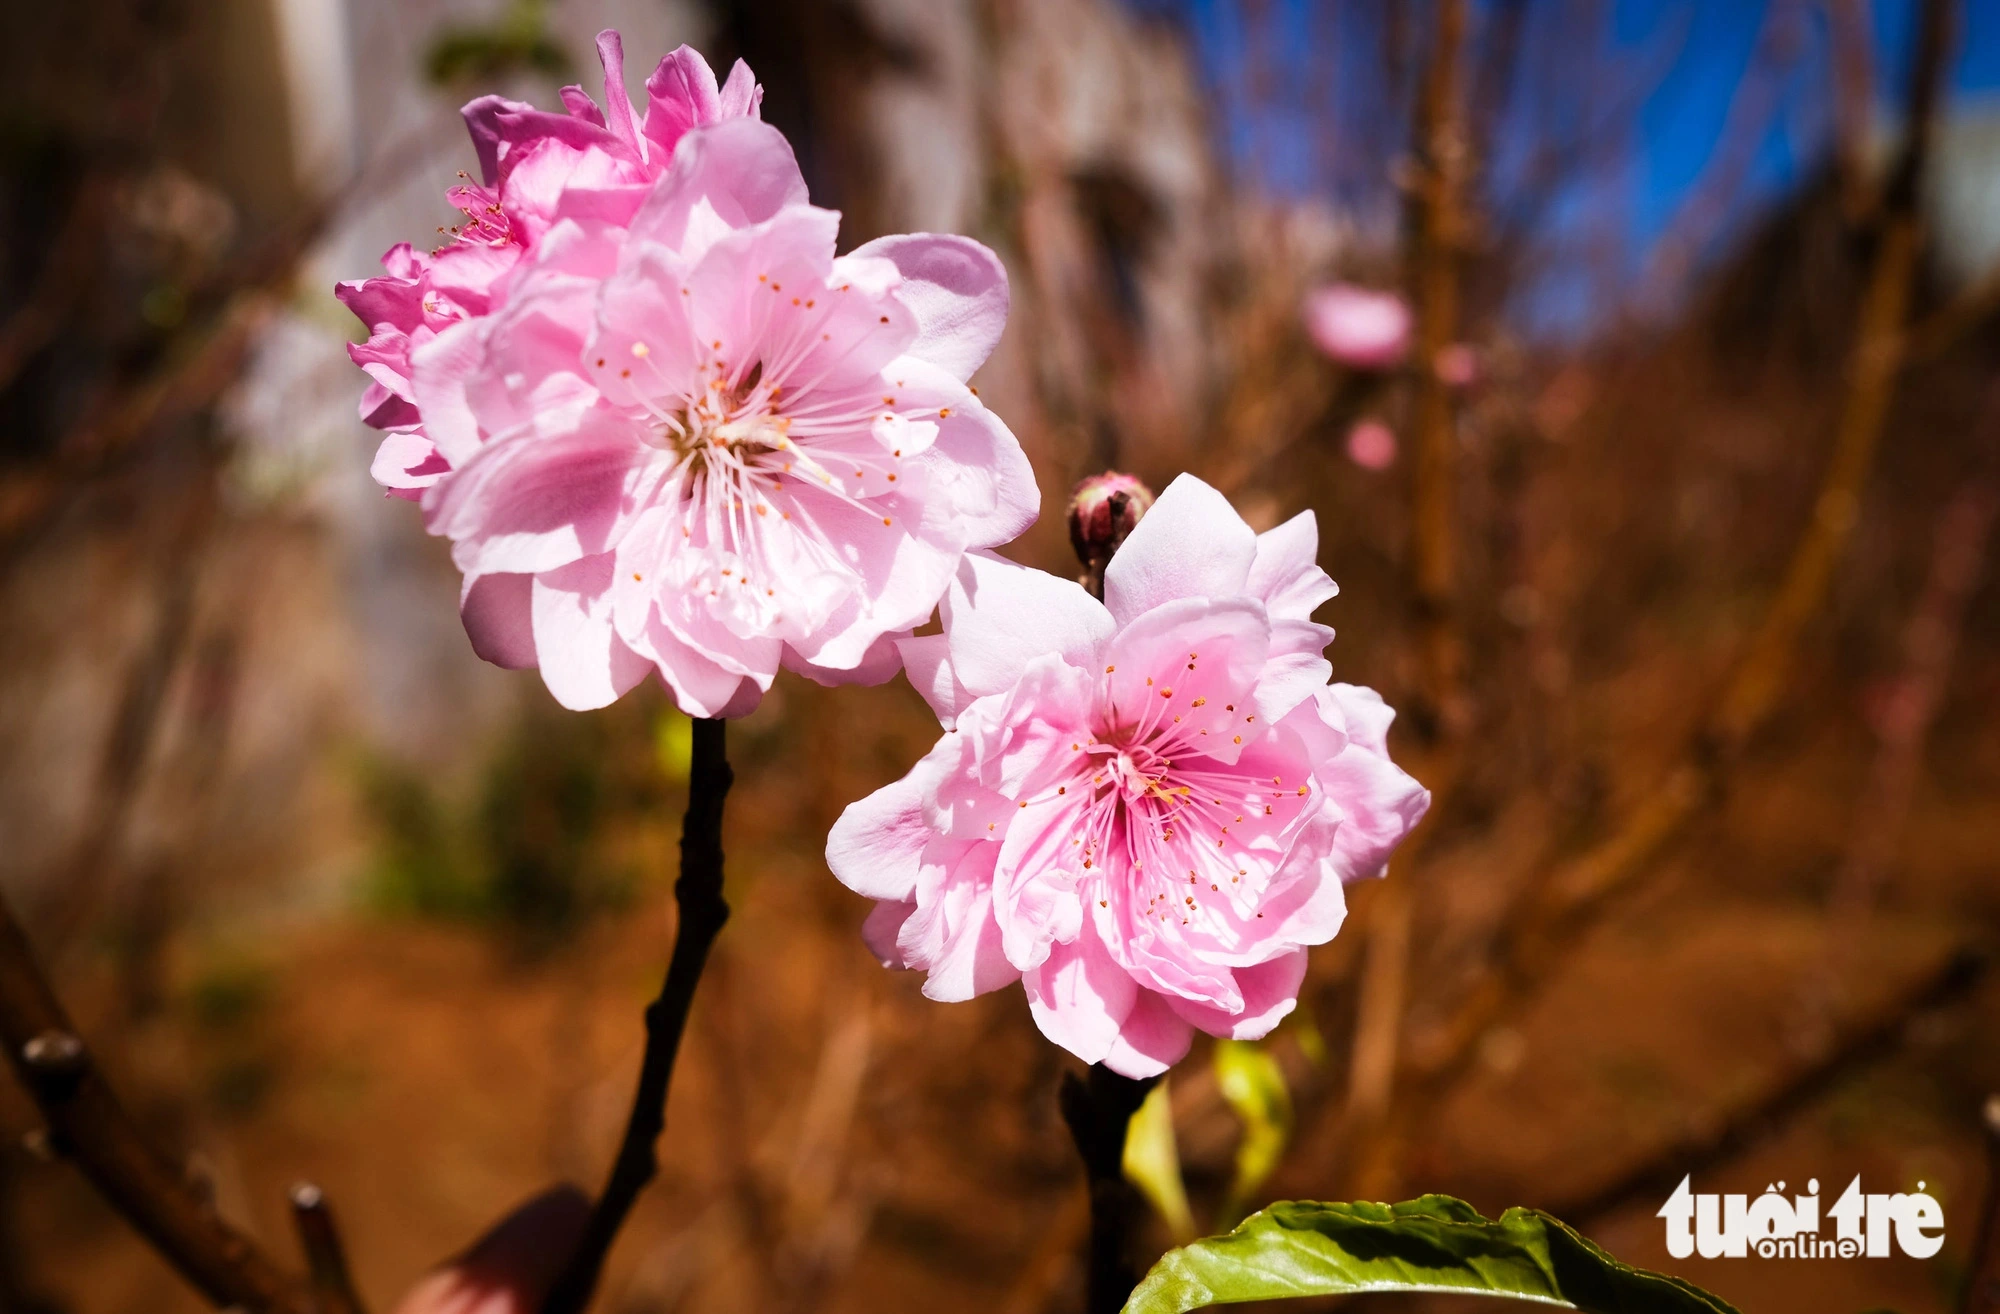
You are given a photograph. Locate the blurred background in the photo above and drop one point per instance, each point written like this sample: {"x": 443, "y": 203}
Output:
{"x": 1669, "y": 530}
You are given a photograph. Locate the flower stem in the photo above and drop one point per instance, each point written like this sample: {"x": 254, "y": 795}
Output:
{"x": 1098, "y": 1111}
{"x": 698, "y": 892}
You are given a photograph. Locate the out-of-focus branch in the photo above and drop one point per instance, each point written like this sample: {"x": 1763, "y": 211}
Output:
{"x": 1565, "y": 897}
{"x": 184, "y": 387}
{"x": 1929, "y": 647}
{"x": 326, "y": 1258}
{"x": 64, "y": 275}
{"x": 1982, "y": 1279}
{"x": 1853, "y": 99}
{"x": 698, "y": 893}
{"x": 1442, "y": 712}
{"x": 1736, "y": 1130}
{"x": 88, "y": 1125}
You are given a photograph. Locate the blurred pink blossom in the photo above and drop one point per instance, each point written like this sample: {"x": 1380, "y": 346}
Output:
{"x": 679, "y": 434}
{"x": 1147, "y": 807}
{"x": 535, "y": 167}
{"x": 1358, "y": 327}
{"x": 1457, "y": 366}
{"x": 1371, "y": 444}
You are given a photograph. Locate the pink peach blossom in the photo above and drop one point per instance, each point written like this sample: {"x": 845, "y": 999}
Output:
{"x": 1371, "y": 444}
{"x": 1144, "y": 809}
{"x": 695, "y": 441}
{"x": 1358, "y": 327}
{"x": 535, "y": 167}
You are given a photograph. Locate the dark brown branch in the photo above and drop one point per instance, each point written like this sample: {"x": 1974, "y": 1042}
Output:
{"x": 326, "y": 1258}
{"x": 88, "y": 1125}
{"x": 1982, "y": 1279}
{"x": 698, "y": 893}
{"x": 1098, "y": 1110}
{"x": 1742, "y": 1128}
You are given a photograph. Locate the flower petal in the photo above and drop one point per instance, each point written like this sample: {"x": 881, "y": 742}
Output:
{"x": 1191, "y": 544}
{"x": 1080, "y": 998}
{"x": 999, "y": 616}
{"x": 584, "y": 662}
{"x": 958, "y": 290}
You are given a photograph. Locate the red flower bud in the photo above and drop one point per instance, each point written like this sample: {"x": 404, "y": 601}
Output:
{"x": 1102, "y": 511}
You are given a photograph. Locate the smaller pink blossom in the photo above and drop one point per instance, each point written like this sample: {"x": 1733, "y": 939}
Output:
{"x": 1371, "y": 444}
{"x": 1143, "y": 809}
{"x": 1360, "y": 328}
{"x": 1457, "y": 366}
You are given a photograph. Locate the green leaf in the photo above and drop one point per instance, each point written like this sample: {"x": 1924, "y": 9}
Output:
{"x": 1153, "y": 1161}
{"x": 1254, "y": 1086}
{"x": 1431, "y": 1244}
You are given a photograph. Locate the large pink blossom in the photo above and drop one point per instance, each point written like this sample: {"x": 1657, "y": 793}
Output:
{"x": 535, "y": 168}
{"x": 690, "y": 439}
{"x": 1144, "y": 809}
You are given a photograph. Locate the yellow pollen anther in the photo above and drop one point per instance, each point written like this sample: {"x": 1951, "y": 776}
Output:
{"x": 1239, "y": 738}
{"x": 641, "y": 350}
{"x": 944, "y": 412}
{"x": 1166, "y": 693}
{"x": 635, "y": 575}
{"x": 1199, "y": 702}
{"x": 885, "y": 520}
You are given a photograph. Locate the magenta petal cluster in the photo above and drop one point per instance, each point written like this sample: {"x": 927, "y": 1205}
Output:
{"x": 1144, "y": 809}
{"x": 676, "y": 433}
{"x": 1358, "y": 327}
{"x": 534, "y": 168}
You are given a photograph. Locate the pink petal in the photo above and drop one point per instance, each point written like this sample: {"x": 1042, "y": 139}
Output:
{"x": 617, "y": 105}
{"x": 953, "y": 936}
{"x": 536, "y": 502}
{"x": 584, "y": 662}
{"x": 881, "y": 928}
{"x": 1080, "y": 998}
{"x": 958, "y": 290}
{"x": 878, "y": 665}
{"x": 680, "y": 94}
{"x": 1285, "y": 572}
{"x": 744, "y": 169}
{"x": 498, "y": 619}
{"x": 979, "y": 469}
{"x": 1151, "y": 1040}
{"x": 926, "y": 660}
{"x": 877, "y": 846}
{"x": 1270, "y": 992}
{"x": 1191, "y": 544}
{"x": 999, "y": 617}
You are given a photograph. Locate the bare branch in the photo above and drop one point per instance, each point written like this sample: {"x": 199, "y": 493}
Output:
{"x": 87, "y": 1124}
{"x": 326, "y": 1258}
{"x": 1982, "y": 1279}
{"x": 698, "y": 893}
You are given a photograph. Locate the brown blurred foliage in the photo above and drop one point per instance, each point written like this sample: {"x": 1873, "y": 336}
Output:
{"x": 333, "y": 901}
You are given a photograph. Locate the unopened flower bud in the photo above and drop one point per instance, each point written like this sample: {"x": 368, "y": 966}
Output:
{"x": 1102, "y": 511}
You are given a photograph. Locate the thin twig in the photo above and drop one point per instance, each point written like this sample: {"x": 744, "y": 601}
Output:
{"x": 698, "y": 893}
{"x": 1730, "y": 1135}
{"x": 87, "y": 1124}
{"x": 326, "y": 1258}
{"x": 1982, "y": 1279}
{"x": 1098, "y": 1110}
